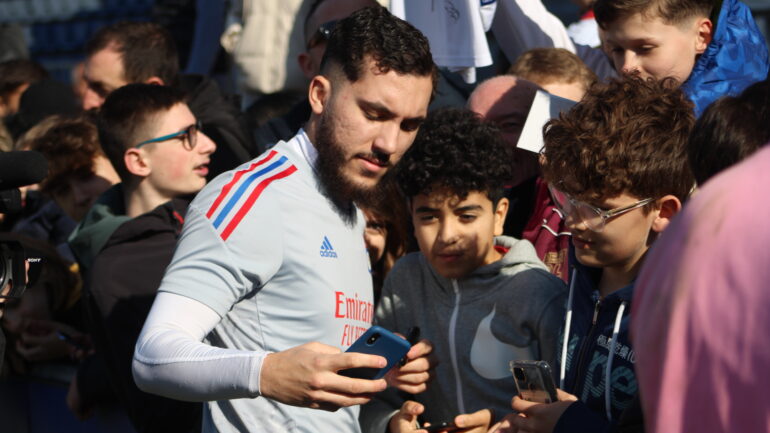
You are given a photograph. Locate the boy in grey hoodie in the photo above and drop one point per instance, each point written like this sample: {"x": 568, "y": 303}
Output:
{"x": 480, "y": 298}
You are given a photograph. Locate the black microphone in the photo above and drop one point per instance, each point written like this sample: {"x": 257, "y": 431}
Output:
{"x": 20, "y": 168}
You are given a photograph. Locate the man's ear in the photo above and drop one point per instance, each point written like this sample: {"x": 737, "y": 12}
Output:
{"x": 319, "y": 93}
{"x": 705, "y": 32}
{"x": 501, "y": 211}
{"x": 155, "y": 80}
{"x": 137, "y": 162}
{"x": 306, "y": 64}
{"x": 669, "y": 207}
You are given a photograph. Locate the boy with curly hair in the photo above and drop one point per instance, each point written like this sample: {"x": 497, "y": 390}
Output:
{"x": 480, "y": 298}
{"x": 617, "y": 166}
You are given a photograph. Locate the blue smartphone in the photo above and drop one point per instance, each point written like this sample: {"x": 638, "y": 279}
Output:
{"x": 377, "y": 341}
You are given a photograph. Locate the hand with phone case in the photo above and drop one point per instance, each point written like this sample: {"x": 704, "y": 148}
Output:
{"x": 539, "y": 403}
{"x": 378, "y": 341}
{"x": 416, "y": 368}
{"x": 306, "y": 376}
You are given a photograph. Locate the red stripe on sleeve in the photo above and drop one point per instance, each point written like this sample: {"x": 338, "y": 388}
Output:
{"x": 252, "y": 199}
{"x": 236, "y": 178}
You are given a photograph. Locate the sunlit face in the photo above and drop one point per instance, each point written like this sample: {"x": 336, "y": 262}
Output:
{"x": 363, "y": 128}
{"x": 623, "y": 241}
{"x": 103, "y": 72}
{"x": 505, "y": 101}
{"x": 457, "y": 235}
{"x": 656, "y": 49}
{"x": 175, "y": 170}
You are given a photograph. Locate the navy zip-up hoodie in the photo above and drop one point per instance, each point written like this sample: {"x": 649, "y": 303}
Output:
{"x": 589, "y": 343}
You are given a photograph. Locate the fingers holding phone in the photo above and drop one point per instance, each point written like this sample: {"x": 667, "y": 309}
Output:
{"x": 405, "y": 420}
{"x": 307, "y": 376}
{"x": 412, "y": 377}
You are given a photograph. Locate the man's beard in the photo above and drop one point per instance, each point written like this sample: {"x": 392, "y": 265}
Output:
{"x": 339, "y": 188}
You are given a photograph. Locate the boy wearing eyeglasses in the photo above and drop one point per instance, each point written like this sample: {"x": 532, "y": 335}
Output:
{"x": 128, "y": 238}
{"x": 617, "y": 167}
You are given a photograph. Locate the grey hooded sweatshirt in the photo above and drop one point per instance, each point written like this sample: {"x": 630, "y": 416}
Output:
{"x": 510, "y": 309}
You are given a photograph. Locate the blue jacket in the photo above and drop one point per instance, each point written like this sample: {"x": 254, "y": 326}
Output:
{"x": 590, "y": 333}
{"x": 736, "y": 57}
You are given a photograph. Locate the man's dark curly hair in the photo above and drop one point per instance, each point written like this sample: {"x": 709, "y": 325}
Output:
{"x": 392, "y": 43}
{"x": 627, "y": 136}
{"x": 456, "y": 149}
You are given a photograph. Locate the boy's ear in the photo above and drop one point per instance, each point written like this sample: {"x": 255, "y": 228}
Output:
{"x": 705, "y": 32}
{"x": 319, "y": 93}
{"x": 501, "y": 211}
{"x": 137, "y": 162}
{"x": 669, "y": 207}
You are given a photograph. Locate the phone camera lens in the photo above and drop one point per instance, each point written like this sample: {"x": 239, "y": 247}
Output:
{"x": 372, "y": 338}
{"x": 519, "y": 373}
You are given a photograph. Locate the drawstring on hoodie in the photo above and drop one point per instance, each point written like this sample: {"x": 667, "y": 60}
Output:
{"x": 567, "y": 325}
{"x": 610, "y": 356}
{"x": 453, "y": 346}
{"x": 613, "y": 343}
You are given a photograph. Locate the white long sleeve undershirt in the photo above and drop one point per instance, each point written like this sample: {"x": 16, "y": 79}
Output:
{"x": 171, "y": 360}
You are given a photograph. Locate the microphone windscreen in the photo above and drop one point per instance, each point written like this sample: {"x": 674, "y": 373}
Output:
{"x": 20, "y": 168}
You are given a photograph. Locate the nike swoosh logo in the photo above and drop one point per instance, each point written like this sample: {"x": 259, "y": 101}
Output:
{"x": 490, "y": 356}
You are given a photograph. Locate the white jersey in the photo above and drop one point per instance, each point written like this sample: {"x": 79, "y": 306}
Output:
{"x": 266, "y": 250}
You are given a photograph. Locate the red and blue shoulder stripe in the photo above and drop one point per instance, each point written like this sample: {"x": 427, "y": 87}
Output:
{"x": 238, "y": 196}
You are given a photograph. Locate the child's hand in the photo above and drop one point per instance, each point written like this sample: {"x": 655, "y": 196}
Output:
{"x": 406, "y": 418}
{"x": 538, "y": 417}
{"x": 413, "y": 376}
{"x": 476, "y": 422}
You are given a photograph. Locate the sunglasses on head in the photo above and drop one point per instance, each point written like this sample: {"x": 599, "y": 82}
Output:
{"x": 321, "y": 34}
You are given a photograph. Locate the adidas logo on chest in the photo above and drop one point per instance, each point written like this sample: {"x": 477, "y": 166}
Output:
{"x": 327, "y": 250}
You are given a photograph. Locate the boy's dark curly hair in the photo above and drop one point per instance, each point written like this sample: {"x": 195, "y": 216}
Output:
{"x": 456, "y": 149}
{"x": 629, "y": 135}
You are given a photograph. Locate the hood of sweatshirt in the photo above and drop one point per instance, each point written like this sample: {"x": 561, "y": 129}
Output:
{"x": 519, "y": 255}
{"x": 736, "y": 57}
{"x": 92, "y": 233}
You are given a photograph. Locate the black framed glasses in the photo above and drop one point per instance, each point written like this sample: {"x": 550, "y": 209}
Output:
{"x": 321, "y": 34}
{"x": 188, "y": 135}
{"x": 593, "y": 217}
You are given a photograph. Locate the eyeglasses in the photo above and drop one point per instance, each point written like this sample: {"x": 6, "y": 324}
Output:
{"x": 189, "y": 137}
{"x": 593, "y": 217}
{"x": 322, "y": 34}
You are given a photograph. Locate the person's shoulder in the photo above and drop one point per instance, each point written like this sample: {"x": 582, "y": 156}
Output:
{"x": 249, "y": 182}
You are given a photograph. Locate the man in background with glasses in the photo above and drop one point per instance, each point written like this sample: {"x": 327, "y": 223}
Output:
{"x": 155, "y": 144}
{"x": 617, "y": 168}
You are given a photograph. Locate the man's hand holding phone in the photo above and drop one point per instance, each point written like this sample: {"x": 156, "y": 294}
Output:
{"x": 307, "y": 376}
